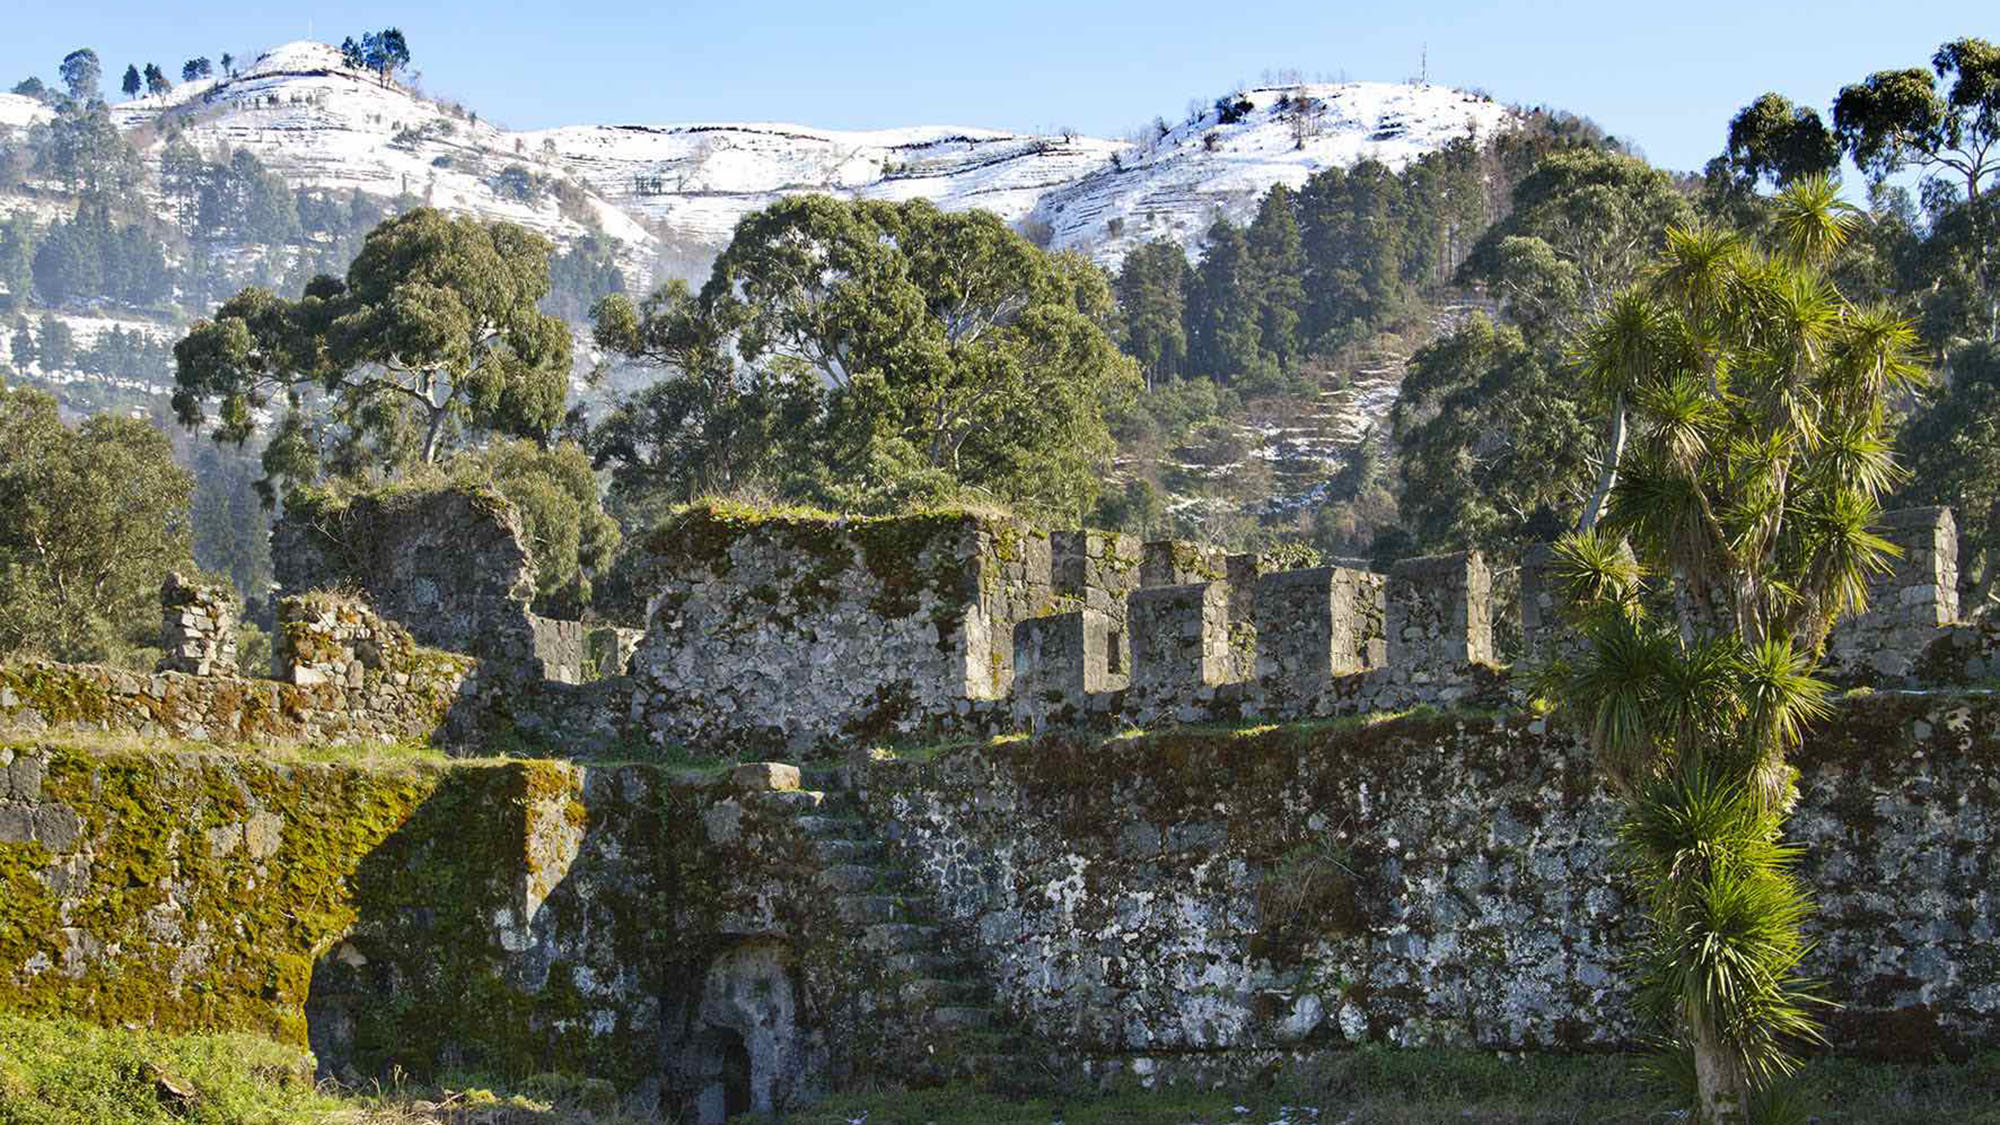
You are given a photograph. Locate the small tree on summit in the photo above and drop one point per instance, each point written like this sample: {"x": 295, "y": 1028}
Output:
{"x": 350, "y": 53}
{"x": 133, "y": 83}
{"x": 196, "y": 69}
{"x": 228, "y": 62}
{"x": 80, "y": 73}
{"x": 385, "y": 52}
{"x": 157, "y": 81}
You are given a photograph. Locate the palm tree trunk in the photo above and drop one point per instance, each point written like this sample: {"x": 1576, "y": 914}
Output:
{"x": 1722, "y": 1085}
{"x": 1607, "y": 478}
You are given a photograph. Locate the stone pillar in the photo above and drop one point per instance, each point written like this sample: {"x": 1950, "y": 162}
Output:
{"x": 1906, "y": 605}
{"x": 1315, "y": 624}
{"x": 1439, "y": 615}
{"x": 1180, "y": 647}
{"x": 1059, "y": 661}
{"x": 1100, "y": 569}
{"x": 197, "y": 627}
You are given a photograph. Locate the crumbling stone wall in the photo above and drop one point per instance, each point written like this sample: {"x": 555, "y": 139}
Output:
{"x": 1427, "y": 881}
{"x": 415, "y": 704}
{"x": 799, "y": 629}
{"x": 197, "y": 627}
{"x": 449, "y": 563}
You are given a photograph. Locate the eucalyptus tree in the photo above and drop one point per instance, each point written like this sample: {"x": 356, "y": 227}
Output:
{"x": 436, "y": 322}
{"x": 867, "y": 354}
{"x": 1734, "y": 529}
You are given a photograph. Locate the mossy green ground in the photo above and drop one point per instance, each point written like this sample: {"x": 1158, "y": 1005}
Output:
{"x": 55, "y": 1072}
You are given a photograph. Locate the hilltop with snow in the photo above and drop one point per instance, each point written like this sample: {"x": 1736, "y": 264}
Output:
{"x": 678, "y": 190}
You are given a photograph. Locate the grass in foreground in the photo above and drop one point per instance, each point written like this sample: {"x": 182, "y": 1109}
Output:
{"x": 58, "y": 1072}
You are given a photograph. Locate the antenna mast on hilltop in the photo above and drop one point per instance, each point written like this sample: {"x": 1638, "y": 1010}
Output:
{"x": 1424, "y": 65}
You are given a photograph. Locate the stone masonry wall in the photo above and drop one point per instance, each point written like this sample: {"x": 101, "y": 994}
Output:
{"x": 793, "y": 630}
{"x": 628, "y": 923}
{"x": 39, "y": 696}
{"x": 197, "y": 627}
{"x": 448, "y": 563}
{"x": 1427, "y": 881}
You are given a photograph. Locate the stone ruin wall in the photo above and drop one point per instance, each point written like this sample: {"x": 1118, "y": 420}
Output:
{"x": 341, "y": 674}
{"x": 1429, "y": 881}
{"x": 1198, "y": 904}
{"x": 790, "y": 631}
{"x": 810, "y": 634}
{"x": 450, "y": 564}
{"x": 1197, "y": 901}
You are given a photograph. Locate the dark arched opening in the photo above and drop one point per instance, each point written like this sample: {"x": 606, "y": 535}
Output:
{"x": 717, "y": 1073}
{"x": 735, "y": 1075}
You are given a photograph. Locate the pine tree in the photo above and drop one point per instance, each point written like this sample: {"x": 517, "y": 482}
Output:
{"x": 1224, "y": 336}
{"x": 157, "y": 81}
{"x": 228, "y": 64}
{"x": 133, "y": 83}
{"x": 1278, "y": 265}
{"x": 194, "y": 70}
{"x": 56, "y": 344}
{"x": 1152, "y": 290}
{"x": 22, "y": 347}
{"x": 383, "y": 52}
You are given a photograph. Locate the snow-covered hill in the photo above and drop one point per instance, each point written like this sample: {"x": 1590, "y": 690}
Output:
{"x": 17, "y": 112}
{"x": 680, "y": 189}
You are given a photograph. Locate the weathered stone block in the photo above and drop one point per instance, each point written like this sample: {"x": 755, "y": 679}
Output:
{"x": 765, "y": 776}
{"x": 1059, "y": 662}
{"x": 1313, "y": 625}
{"x": 1907, "y": 604}
{"x": 1439, "y": 615}
{"x": 1180, "y": 646}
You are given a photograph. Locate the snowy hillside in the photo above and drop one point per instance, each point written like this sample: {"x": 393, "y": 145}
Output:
{"x": 17, "y": 112}
{"x": 683, "y": 188}
{"x": 1176, "y": 186}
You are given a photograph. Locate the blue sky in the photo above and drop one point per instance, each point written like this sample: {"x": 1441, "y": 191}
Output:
{"x": 1666, "y": 75}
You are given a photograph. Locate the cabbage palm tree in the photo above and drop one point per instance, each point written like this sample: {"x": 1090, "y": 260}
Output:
{"x": 1732, "y": 531}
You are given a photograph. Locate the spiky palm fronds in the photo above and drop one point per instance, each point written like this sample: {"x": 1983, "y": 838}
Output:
{"x": 1810, "y": 222}
{"x": 1593, "y": 570}
{"x": 1727, "y": 944}
{"x": 1749, "y": 405}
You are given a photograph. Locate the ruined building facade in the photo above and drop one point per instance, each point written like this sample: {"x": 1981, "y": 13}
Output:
{"x": 973, "y": 863}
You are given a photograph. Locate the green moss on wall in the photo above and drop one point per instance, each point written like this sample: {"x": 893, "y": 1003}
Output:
{"x": 224, "y": 892}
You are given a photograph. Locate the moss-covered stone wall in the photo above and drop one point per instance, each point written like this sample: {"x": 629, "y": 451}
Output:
{"x": 799, "y": 628}
{"x": 501, "y": 918}
{"x": 1426, "y": 880}
{"x": 410, "y": 698}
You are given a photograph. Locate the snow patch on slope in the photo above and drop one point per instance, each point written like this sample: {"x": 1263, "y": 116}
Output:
{"x": 17, "y": 112}
{"x": 1177, "y": 186}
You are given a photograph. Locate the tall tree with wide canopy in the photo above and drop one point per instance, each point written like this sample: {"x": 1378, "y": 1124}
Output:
{"x": 1944, "y": 121}
{"x": 81, "y": 74}
{"x": 1773, "y": 140}
{"x": 438, "y": 318}
{"x": 1738, "y": 530}
{"x": 917, "y": 352}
